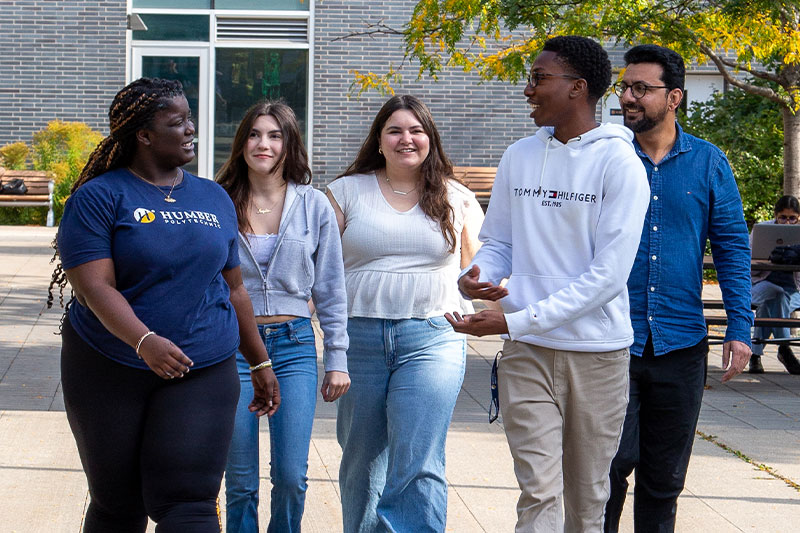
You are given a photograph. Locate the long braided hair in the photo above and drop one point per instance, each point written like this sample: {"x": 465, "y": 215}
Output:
{"x": 132, "y": 109}
{"x": 436, "y": 169}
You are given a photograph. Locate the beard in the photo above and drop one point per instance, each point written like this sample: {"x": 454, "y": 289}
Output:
{"x": 647, "y": 121}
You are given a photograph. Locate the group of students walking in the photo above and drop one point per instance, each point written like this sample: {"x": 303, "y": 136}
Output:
{"x": 182, "y": 284}
{"x": 172, "y": 273}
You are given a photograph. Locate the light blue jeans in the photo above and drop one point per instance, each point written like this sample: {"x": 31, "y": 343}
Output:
{"x": 392, "y": 423}
{"x": 290, "y": 345}
{"x": 773, "y": 301}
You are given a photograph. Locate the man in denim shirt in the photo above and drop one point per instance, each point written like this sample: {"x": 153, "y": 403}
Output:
{"x": 693, "y": 197}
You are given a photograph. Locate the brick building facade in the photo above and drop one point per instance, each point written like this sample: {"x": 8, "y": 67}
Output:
{"x": 67, "y": 59}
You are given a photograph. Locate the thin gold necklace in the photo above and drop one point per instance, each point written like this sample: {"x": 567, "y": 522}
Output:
{"x": 402, "y": 193}
{"x": 167, "y": 197}
{"x": 270, "y": 208}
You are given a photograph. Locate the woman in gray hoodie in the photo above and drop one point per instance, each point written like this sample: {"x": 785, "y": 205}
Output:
{"x": 290, "y": 253}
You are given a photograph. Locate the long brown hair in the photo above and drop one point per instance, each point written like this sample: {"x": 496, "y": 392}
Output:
{"x": 294, "y": 158}
{"x": 435, "y": 170}
{"x": 132, "y": 109}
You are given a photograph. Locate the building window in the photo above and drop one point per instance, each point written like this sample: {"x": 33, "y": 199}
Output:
{"x": 192, "y": 28}
{"x": 248, "y": 76}
{"x": 260, "y": 5}
{"x": 229, "y": 55}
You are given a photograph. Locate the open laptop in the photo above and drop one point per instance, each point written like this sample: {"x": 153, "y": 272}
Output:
{"x": 767, "y": 236}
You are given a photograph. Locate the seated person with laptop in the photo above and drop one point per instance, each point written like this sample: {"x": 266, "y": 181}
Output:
{"x": 776, "y": 294}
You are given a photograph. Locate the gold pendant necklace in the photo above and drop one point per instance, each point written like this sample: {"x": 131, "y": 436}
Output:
{"x": 270, "y": 208}
{"x": 167, "y": 197}
{"x": 402, "y": 193}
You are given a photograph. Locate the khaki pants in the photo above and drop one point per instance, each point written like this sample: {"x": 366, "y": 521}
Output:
{"x": 563, "y": 414}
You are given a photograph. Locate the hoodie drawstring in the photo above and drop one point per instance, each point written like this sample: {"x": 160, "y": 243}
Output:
{"x": 544, "y": 163}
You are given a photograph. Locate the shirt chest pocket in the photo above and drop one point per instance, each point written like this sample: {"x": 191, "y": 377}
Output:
{"x": 290, "y": 268}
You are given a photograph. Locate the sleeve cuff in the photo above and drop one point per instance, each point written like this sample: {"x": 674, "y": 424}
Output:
{"x": 519, "y": 323}
{"x": 738, "y": 332}
{"x": 335, "y": 361}
{"x": 461, "y": 275}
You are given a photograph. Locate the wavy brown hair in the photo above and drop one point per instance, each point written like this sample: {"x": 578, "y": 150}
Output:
{"x": 294, "y": 158}
{"x": 132, "y": 109}
{"x": 435, "y": 170}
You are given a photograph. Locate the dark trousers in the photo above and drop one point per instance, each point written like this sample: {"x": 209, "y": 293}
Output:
{"x": 657, "y": 436}
{"x": 149, "y": 447}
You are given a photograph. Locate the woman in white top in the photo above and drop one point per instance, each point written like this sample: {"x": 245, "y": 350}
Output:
{"x": 407, "y": 228}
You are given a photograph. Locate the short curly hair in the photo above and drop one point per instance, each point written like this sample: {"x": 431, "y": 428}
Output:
{"x": 585, "y": 58}
{"x": 671, "y": 62}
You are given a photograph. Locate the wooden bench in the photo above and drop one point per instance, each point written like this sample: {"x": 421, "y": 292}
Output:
{"x": 759, "y": 322}
{"x": 479, "y": 180}
{"x": 40, "y": 190}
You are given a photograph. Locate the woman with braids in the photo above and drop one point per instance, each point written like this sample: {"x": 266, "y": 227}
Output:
{"x": 290, "y": 252}
{"x": 407, "y": 228}
{"x": 147, "y": 361}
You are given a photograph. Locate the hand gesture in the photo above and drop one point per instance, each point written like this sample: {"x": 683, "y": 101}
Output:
{"x": 266, "y": 392}
{"x": 334, "y": 385}
{"x": 480, "y": 290}
{"x": 488, "y": 322}
{"x": 163, "y": 357}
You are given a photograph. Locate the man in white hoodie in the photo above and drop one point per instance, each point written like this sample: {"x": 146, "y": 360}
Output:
{"x": 563, "y": 225}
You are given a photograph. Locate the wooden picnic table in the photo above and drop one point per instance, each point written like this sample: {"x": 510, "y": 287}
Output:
{"x": 722, "y": 320}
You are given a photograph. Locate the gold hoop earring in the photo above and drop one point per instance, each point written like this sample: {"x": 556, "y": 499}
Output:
{"x": 380, "y": 150}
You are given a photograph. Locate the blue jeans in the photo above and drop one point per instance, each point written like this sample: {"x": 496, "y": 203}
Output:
{"x": 773, "y": 301}
{"x": 392, "y": 423}
{"x": 291, "y": 347}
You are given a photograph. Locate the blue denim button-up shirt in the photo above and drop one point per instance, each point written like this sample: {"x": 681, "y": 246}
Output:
{"x": 693, "y": 196}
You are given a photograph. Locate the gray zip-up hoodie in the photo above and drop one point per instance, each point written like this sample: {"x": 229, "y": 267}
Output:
{"x": 306, "y": 263}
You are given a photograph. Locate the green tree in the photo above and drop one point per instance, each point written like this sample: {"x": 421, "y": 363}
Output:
{"x": 496, "y": 38}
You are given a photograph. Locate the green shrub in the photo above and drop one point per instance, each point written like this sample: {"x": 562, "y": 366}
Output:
{"x": 23, "y": 216}
{"x": 63, "y": 149}
{"x": 14, "y": 155}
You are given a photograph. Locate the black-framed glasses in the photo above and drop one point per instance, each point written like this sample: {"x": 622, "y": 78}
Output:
{"x": 638, "y": 89}
{"x": 535, "y": 77}
{"x": 494, "y": 405}
{"x": 783, "y": 219}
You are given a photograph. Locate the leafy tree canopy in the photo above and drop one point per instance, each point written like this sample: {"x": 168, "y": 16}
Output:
{"x": 496, "y": 38}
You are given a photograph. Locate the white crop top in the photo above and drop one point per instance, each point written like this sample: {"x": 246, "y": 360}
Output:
{"x": 396, "y": 263}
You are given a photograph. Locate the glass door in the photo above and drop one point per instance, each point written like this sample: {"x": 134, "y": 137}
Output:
{"x": 246, "y": 76}
{"x": 189, "y": 65}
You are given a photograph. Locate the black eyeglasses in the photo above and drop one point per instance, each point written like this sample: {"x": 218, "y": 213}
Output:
{"x": 494, "y": 405}
{"x": 535, "y": 77}
{"x": 638, "y": 89}
{"x": 783, "y": 219}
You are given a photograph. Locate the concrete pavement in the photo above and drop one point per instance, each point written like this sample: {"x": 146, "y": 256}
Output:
{"x": 743, "y": 476}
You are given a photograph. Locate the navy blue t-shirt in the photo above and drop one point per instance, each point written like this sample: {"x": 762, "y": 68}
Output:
{"x": 168, "y": 261}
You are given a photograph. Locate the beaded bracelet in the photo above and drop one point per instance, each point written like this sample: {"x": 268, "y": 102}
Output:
{"x": 141, "y": 339}
{"x": 259, "y": 366}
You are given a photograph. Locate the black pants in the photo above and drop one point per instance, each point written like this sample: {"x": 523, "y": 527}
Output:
{"x": 657, "y": 436}
{"x": 149, "y": 447}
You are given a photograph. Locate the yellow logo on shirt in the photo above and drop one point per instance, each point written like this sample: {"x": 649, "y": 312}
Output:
{"x": 145, "y": 216}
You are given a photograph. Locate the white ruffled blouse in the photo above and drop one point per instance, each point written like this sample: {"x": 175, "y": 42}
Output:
{"x": 396, "y": 263}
